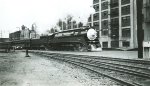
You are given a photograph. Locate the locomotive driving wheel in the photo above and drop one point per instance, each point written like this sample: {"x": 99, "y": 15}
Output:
{"x": 80, "y": 47}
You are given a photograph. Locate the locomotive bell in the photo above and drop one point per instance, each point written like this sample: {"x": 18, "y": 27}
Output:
{"x": 91, "y": 34}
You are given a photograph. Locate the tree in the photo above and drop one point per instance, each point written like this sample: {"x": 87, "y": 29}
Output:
{"x": 34, "y": 26}
{"x": 80, "y": 24}
{"x": 60, "y": 24}
{"x": 23, "y": 27}
{"x": 52, "y": 30}
{"x": 64, "y": 24}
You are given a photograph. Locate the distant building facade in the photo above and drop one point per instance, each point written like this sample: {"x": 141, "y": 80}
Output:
{"x": 24, "y": 34}
{"x": 146, "y": 27}
{"x": 116, "y": 22}
{"x": 14, "y": 36}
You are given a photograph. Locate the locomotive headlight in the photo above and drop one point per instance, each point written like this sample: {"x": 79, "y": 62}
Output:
{"x": 91, "y": 34}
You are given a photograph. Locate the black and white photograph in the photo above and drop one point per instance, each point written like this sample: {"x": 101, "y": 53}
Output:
{"x": 74, "y": 42}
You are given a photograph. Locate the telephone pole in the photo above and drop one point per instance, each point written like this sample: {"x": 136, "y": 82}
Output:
{"x": 140, "y": 31}
{"x": 1, "y": 34}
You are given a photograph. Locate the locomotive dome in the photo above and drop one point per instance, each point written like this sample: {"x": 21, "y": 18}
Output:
{"x": 91, "y": 34}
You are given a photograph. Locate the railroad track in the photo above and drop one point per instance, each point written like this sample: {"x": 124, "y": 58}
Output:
{"x": 125, "y": 71}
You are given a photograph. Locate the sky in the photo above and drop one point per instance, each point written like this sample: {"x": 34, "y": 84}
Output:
{"x": 45, "y": 13}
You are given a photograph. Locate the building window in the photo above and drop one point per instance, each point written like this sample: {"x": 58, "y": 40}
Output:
{"x": 114, "y": 23}
{"x": 95, "y": 1}
{"x": 96, "y": 17}
{"x": 105, "y": 32}
{"x": 125, "y": 10}
{"x": 146, "y": 14}
{"x": 105, "y": 44}
{"x": 96, "y": 7}
{"x": 104, "y": 14}
{"x": 126, "y": 44}
{"x": 104, "y": 24}
{"x": 115, "y": 33}
{"x": 114, "y": 3}
{"x": 114, "y": 44}
{"x": 125, "y": 21}
{"x": 114, "y": 12}
{"x": 96, "y": 25}
{"x": 126, "y": 32}
{"x": 104, "y": 6}
{"x": 123, "y": 2}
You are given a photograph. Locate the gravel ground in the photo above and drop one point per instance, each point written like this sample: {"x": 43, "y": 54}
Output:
{"x": 111, "y": 54}
{"x": 17, "y": 70}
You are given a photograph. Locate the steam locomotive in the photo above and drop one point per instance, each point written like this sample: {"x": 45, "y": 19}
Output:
{"x": 82, "y": 39}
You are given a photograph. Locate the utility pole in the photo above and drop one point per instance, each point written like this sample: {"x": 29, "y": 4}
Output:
{"x": 1, "y": 34}
{"x": 140, "y": 31}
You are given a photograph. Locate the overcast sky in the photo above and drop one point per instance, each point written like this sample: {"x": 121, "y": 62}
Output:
{"x": 45, "y": 13}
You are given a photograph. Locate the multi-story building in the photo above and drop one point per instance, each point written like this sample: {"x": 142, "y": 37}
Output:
{"x": 28, "y": 34}
{"x": 146, "y": 27}
{"x": 23, "y": 34}
{"x": 115, "y": 20}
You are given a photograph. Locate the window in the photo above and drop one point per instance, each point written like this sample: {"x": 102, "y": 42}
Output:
{"x": 104, "y": 14}
{"x": 126, "y": 32}
{"x": 96, "y": 25}
{"x": 104, "y": 5}
{"x": 125, "y": 44}
{"x": 125, "y": 10}
{"x": 105, "y": 32}
{"x": 147, "y": 13}
{"x": 105, "y": 44}
{"x": 125, "y": 21}
{"x": 123, "y": 2}
{"x": 96, "y": 7}
{"x": 114, "y": 3}
{"x": 114, "y": 22}
{"x": 105, "y": 24}
{"x": 114, "y": 44}
{"x": 114, "y": 12}
{"x": 95, "y": 1}
{"x": 96, "y": 16}
{"x": 115, "y": 33}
